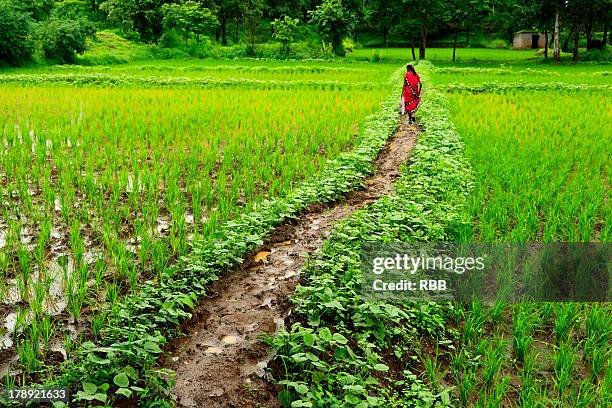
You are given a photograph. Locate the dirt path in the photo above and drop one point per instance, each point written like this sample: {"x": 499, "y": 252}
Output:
{"x": 221, "y": 360}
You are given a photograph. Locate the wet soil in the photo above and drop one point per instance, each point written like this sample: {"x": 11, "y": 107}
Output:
{"x": 221, "y": 360}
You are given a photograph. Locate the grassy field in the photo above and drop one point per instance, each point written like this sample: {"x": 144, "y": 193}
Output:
{"x": 127, "y": 189}
{"x": 534, "y": 73}
{"x": 230, "y": 69}
{"x": 541, "y": 165}
{"x": 550, "y": 178}
{"x": 498, "y": 165}
{"x": 481, "y": 55}
{"x": 105, "y": 188}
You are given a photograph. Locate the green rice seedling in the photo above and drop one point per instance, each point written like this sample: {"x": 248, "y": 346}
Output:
{"x": 521, "y": 340}
{"x": 69, "y": 344}
{"x": 43, "y": 241}
{"x": 24, "y": 277}
{"x": 596, "y": 356}
{"x": 433, "y": 368}
{"x": 77, "y": 291}
{"x": 27, "y": 351}
{"x": 9, "y": 381}
{"x": 159, "y": 256}
{"x": 498, "y": 392}
{"x": 76, "y": 243}
{"x": 493, "y": 361}
{"x": 583, "y": 396}
{"x": 40, "y": 289}
{"x": 474, "y": 322}
{"x": 21, "y": 320}
{"x": 563, "y": 363}
{"x": 458, "y": 364}
{"x": 564, "y": 322}
{"x": 497, "y": 311}
{"x": 46, "y": 330}
{"x": 599, "y": 325}
{"x": 528, "y": 381}
{"x": 523, "y": 324}
{"x": 112, "y": 293}
{"x": 467, "y": 385}
{"x": 97, "y": 322}
{"x": 99, "y": 272}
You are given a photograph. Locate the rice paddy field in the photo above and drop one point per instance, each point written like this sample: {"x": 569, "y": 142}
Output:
{"x": 232, "y": 69}
{"x": 127, "y": 190}
{"x": 103, "y": 188}
{"x": 541, "y": 165}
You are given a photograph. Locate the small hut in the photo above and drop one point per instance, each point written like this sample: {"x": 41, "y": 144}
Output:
{"x": 529, "y": 39}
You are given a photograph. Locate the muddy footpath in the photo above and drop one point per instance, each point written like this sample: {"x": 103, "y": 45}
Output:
{"x": 221, "y": 361}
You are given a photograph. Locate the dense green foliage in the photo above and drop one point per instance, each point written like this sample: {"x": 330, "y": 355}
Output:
{"x": 321, "y": 25}
{"x": 15, "y": 33}
{"x": 539, "y": 174}
{"x": 547, "y": 183}
{"x": 61, "y": 40}
{"x": 188, "y": 18}
{"x": 157, "y": 190}
{"x": 284, "y": 31}
{"x": 334, "y": 22}
{"x": 342, "y": 351}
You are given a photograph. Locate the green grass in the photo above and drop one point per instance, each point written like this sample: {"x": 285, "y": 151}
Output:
{"x": 532, "y": 73}
{"x": 548, "y": 181}
{"x": 109, "y": 48}
{"x": 540, "y": 161}
{"x": 482, "y": 55}
{"x": 268, "y": 70}
{"x": 105, "y": 188}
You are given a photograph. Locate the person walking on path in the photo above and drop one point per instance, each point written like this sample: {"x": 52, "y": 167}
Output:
{"x": 411, "y": 94}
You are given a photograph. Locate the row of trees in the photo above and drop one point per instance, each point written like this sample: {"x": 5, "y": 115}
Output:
{"x": 413, "y": 20}
{"x": 417, "y": 20}
{"x": 66, "y": 22}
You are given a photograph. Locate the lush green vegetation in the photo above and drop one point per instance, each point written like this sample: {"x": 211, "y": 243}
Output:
{"x": 146, "y": 146}
{"x": 57, "y": 31}
{"x": 553, "y": 142}
{"x": 343, "y": 351}
{"x": 119, "y": 183}
{"x": 548, "y": 182}
{"x": 481, "y": 55}
{"x": 540, "y": 168}
{"x": 513, "y": 73}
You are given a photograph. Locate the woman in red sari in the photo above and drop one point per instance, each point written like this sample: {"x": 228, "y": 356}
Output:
{"x": 412, "y": 93}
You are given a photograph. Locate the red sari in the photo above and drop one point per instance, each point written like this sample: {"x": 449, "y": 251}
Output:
{"x": 412, "y": 95}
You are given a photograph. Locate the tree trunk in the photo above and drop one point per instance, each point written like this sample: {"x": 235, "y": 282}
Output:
{"x": 413, "y": 53}
{"x": 423, "y": 45}
{"x": 455, "y": 42}
{"x": 589, "y": 29}
{"x": 605, "y": 33}
{"x": 223, "y": 28}
{"x": 556, "y": 49}
{"x": 467, "y": 36}
{"x": 217, "y": 34}
{"x": 545, "y": 44}
{"x": 385, "y": 38}
{"x": 576, "y": 38}
{"x": 567, "y": 40}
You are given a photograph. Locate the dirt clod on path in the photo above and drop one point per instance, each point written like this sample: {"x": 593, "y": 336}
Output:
{"x": 221, "y": 361}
